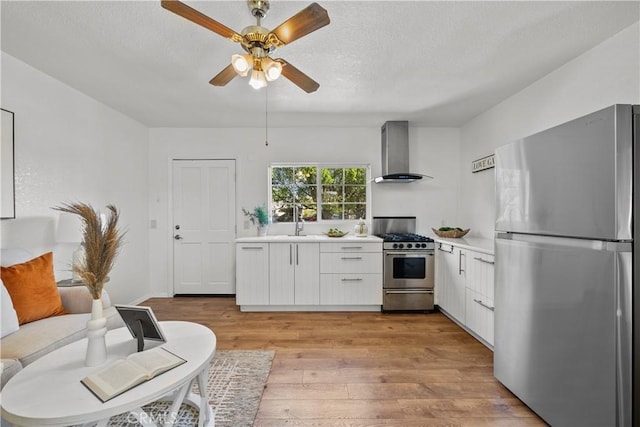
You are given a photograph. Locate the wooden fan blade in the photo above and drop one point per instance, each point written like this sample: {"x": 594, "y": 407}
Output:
{"x": 304, "y": 22}
{"x": 193, "y": 15}
{"x": 224, "y": 76}
{"x": 297, "y": 77}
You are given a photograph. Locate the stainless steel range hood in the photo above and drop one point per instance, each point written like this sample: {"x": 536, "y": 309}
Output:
{"x": 395, "y": 155}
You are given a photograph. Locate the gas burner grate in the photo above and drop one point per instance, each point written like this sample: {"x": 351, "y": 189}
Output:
{"x": 404, "y": 237}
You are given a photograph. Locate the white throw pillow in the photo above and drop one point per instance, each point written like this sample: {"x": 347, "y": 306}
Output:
{"x": 8, "y": 315}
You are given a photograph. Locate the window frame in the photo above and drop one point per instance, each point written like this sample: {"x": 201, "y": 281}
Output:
{"x": 319, "y": 167}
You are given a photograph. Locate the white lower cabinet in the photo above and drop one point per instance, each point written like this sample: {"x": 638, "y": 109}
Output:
{"x": 450, "y": 270}
{"x": 464, "y": 288}
{"x": 479, "y": 315}
{"x": 309, "y": 275}
{"x": 351, "y": 274}
{"x": 252, "y": 274}
{"x": 479, "y": 294}
{"x": 294, "y": 273}
{"x": 350, "y": 289}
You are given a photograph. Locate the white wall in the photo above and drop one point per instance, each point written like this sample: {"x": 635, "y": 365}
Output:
{"x": 69, "y": 147}
{"x": 434, "y": 151}
{"x": 605, "y": 75}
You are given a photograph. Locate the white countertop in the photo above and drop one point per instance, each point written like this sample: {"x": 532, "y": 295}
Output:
{"x": 472, "y": 243}
{"x": 309, "y": 238}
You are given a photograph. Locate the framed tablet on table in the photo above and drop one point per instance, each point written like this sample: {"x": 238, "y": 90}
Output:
{"x": 142, "y": 323}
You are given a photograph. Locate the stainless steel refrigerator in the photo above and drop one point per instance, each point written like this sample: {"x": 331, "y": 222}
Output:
{"x": 566, "y": 337}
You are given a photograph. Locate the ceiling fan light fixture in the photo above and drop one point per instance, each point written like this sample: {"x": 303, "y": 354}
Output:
{"x": 242, "y": 63}
{"x": 259, "y": 43}
{"x": 257, "y": 80}
{"x": 272, "y": 69}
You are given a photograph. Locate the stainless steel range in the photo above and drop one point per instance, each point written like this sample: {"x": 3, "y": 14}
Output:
{"x": 408, "y": 264}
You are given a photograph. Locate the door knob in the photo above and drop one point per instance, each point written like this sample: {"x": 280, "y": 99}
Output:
{"x": 177, "y": 237}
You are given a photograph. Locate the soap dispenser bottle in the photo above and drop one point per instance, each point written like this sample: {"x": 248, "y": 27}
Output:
{"x": 361, "y": 228}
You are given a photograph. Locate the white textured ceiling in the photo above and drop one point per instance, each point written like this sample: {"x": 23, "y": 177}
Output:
{"x": 429, "y": 62}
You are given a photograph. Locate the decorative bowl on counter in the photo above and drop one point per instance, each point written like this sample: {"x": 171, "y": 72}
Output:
{"x": 336, "y": 233}
{"x": 451, "y": 232}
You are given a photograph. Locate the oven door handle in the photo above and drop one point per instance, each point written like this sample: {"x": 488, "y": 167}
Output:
{"x": 412, "y": 254}
{"x": 408, "y": 291}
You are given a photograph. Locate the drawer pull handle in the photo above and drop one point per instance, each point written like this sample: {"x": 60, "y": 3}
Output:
{"x": 484, "y": 260}
{"x": 484, "y": 305}
{"x": 351, "y": 280}
{"x": 252, "y": 248}
{"x": 444, "y": 250}
{"x": 352, "y": 257}
{"x": 350, "y": 247}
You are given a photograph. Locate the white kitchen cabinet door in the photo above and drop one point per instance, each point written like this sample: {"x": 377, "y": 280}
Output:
{"x": 451, "y": 290}
{"x": 351, "y": 262}
{"x": 307, "y": 274}
{"x": 252, "y": 274}
{"x": 351, "y": 289}
{"x": 479, "y": 315}
{"x": 281, "y": 273}
{"x": 480, "y": 274}
{"x": 351, "y": 247}
{"x": 294, "y": 273}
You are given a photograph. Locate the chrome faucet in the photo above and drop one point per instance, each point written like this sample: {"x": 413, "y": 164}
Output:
{"x": 299, "y": 222}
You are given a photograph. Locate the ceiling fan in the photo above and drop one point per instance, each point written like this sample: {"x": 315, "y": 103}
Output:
{"x": 260, "y": 43}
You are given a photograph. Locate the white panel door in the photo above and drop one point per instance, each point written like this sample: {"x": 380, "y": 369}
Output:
{"x": 204, "y": 226}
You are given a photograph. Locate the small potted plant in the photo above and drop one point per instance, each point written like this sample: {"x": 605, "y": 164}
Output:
{"x": 258, "y": 217}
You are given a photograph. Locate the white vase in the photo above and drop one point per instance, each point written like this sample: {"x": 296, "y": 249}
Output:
{"x": 262, "y": 230}
{"x": 96, "y": 331}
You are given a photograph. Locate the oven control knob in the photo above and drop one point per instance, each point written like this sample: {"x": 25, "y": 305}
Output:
{"x": 409, "y": 246}
{"x": 401, "y": 246}
{"x": 395, "y": 246}
{"x": 423, "y": 245}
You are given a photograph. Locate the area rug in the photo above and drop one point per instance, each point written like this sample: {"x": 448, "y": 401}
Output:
{"x": 236, "y": 381}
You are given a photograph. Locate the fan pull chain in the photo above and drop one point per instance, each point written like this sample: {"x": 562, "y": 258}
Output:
{"x": 266, "y": 117}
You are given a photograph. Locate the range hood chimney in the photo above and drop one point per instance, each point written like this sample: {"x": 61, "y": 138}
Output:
{"x": 395, "y": 154}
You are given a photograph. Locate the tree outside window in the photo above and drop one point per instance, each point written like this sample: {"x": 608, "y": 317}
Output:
{"x": 321, "y": 193}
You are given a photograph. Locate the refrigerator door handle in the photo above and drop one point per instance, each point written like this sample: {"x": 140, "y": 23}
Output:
{"x": 597, "y": 245}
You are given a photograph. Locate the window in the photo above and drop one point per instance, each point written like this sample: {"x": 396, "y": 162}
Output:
{"x": 321, "y": 193}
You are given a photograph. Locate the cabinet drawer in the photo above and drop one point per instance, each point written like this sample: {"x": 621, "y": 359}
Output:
{"x": 349, "y": 262}
{"x": 351, "y": 247}
{"x": 479, "y": 315}
{"x": 480, "y": 273}
{"x": 352, "y": 289}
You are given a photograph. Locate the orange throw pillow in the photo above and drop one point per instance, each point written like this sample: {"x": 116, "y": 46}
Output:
{"x": 33, "y": 289}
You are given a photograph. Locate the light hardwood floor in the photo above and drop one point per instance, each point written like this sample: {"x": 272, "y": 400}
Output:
{"x": 361, "y": 369}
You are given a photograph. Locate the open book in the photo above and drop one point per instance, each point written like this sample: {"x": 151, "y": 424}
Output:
{"x": 125, "y": 374}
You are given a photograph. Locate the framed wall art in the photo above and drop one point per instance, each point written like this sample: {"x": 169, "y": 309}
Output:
{"x": 482, "y": 164}
{"x": 7, "y": 166}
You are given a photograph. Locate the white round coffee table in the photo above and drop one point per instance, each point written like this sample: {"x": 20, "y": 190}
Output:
{"x": 48, "y": 392}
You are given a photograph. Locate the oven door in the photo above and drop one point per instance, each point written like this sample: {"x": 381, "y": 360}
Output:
{"x": 408, "y": 270}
